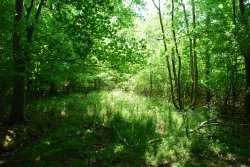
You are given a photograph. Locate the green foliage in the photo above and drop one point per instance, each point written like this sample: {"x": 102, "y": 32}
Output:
{"x": 6, "y": 9}
{"x": 154, "y": 76}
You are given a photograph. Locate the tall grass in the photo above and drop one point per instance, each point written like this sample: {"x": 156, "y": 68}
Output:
{"x": 115, "y": 128}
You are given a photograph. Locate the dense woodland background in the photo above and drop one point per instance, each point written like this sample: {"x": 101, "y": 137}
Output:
{"x": 124, "y": 83}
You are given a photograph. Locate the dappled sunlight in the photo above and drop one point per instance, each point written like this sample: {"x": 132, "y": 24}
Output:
{"x": 118, "y": 149}
{"x": 9, "y": 139}
{"x": 63, "y": 112}
{"x": 2, "y": 162}
{"x": 123, "y": 97}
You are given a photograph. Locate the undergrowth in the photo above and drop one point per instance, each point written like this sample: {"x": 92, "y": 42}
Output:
{"x": 119, "y": 129}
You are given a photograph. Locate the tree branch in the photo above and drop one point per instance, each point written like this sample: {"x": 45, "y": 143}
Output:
{"x": 38, "y": 12}
{"x": 157, "y": 7}
{"x": 28, "y": 9}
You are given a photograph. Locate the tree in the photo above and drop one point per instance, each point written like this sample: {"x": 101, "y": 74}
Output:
{"x": 193, "y": 59}
{"x": 158, "y": 7}
{"x": 18, "y": 105}
{"x": 176, "y": 50}
{"x": 245, "y": 48}
{"x": 21, "y": 57}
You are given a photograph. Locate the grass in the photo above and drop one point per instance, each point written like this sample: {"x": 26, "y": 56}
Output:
{"x": 119, "y": 128}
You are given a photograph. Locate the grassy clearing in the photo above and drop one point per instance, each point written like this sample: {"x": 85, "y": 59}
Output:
{"x": 119, "y": 129}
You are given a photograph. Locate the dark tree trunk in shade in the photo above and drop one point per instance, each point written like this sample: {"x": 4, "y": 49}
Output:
{"x": 21, "y": 57}
{"x": 195, "y": 63}
{"x": 18, "y": 103}
{"x": 247, "y": 98}
{"x": 208, "y": 93}
{"x": 52, "y": 90}
{"x": 3, "y": 87}
{"x": 246, "y": 52}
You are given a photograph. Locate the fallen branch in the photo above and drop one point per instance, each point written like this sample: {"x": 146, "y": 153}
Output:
{"x": 154, "y": 140}
{"x": 208, "y": 123}
{"x": 244, "y": 124}
{"x": 214, "y": 122}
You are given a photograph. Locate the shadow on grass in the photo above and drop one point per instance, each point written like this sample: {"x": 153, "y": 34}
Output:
{"x": 64, "y": 134}
{"x": 223, "y": 148}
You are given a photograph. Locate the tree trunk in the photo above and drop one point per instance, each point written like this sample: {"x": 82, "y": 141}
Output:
{"x": 52, "y": 90}
{"x": 246, "y": 52}
{"x": 20, "y": 58}
{"x": 208, "y": 93}
{"x": 195, "y": 63}
{"x": 18, "y": 103}
{"x": 2, "y": 100}
{"x": 68, "y": 87}
{"x": 166, "y": 54}
{"x": 235, "y": 63}
{"x": 151, "y": 82}
{"x": 192, "y": 54}
{"x": 178, "y": 77}
{"x": 247, "y": 98}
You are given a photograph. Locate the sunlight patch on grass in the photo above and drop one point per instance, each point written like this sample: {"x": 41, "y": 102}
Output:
{"x": 63, "y": 112}
{"x": 118, "y": 148}
{"x": 38, "y": 158}
{"x": 8, "y": 141}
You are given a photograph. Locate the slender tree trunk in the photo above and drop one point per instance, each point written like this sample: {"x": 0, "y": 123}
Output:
{"x": 151, "y": 82}
{"x": 234, "y": 82}
{"x": 226, "y": 92}
{"x": 2, "y": 108}
{"x": 52, "y": 90}
{"x": 235, "y": 63}
{"x": 246, "y": 52}
{"x": 192, "y": 41}
{"x": 174, "y": 69}
{"x": 166, "y": 54}
{"x": 247, "y": 98}
{"x": 207, "y": 64}
{"x": 195, "y": 63}
{"x": 68, "y": 88}
{"x": 178, "y": 77}
{"x": 3, "y": 85}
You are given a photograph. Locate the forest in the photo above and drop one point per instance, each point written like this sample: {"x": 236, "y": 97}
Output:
{"x": 125, "y": 83}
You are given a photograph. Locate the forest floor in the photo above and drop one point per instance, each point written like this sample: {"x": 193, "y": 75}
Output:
{"x": 119, "y": 129}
